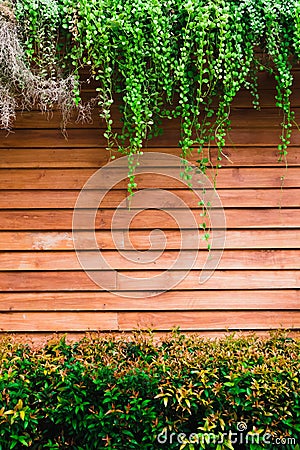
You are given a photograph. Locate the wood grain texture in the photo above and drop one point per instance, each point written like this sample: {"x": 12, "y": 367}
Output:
{"x": 284, "y": 238}
{"x": 122, "y": 321}
{"x": 240, "y": 117}
{"x": 192, "y": 320}
{"x": 127, "y": 280}
{"x": 53, "y": 321}
{"x": 285, "y": 299}
{"x": 62, "y": 219}
{"x": 229, "y": 178}
{"x": 231, "y": 259}
{"x": 66, "y": 199}
{"x": 78, "y": 138}
{"x": 43, "y": 288}
{"x": 97, "y": 157}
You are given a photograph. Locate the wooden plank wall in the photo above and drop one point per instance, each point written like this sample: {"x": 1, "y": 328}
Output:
{"x": 43, "y": 288}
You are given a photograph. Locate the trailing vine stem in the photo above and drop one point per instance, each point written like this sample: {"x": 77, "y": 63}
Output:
{"x": 160, "y": 59}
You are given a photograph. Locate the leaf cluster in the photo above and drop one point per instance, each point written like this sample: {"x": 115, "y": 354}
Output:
{"x": 170, "y": 59}
{"x": 121, "y": 392}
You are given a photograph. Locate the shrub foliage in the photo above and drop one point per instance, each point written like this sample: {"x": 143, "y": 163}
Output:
{"x": 134, "y": 392}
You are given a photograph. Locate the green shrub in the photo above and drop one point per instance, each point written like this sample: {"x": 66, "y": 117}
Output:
{"x": 143, "y": 393}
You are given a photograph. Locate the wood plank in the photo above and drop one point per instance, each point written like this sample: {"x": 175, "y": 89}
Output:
{"x": 243, "y": 156}
{"x": 56, "y": 157}
{"x": 66, "y": 199}
{"x": 265, "y": 177}
{"x": 175, "y": 300}
{"x": 188, "y": 320}
{"x": 242, "y": 100}
{"x": 62, "y": 219}
{"x": 258, "y": 136}
{"x": 239, "y": 198}
{"x": 61, "y": 199}
{"x": 221, "y": 279}
{"x": 53, "y": 120}
{"x": 12, "y": 240}
{"x": 69, "y": 321}
{"x": 267, "y": 98}
{"x": 238, "y": 239}
{"x": 242, "y": 178}
{"x": 98, "y": 157}
{"x": 235, "y": 239}
{"x": 52, "y": 139}
{"x": 52, "y": 281}
{"x": 246, "y": 218}
{"x": 231, "y": 259}
{"x": 87, "y": 138}
{"x": 200, "y": 320}
{"x": 257, "y": 198}
{"x": 240, "y": 117}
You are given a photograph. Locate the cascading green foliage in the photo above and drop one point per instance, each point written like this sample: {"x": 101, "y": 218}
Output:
{"x": 167, "y": 59}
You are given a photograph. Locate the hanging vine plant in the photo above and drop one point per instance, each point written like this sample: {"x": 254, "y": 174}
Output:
{"x": 162, "y": 59}
{"x": 22, "y": 85}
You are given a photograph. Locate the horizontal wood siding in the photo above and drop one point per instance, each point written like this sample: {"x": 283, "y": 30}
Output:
{"x": 256, "y": 284}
